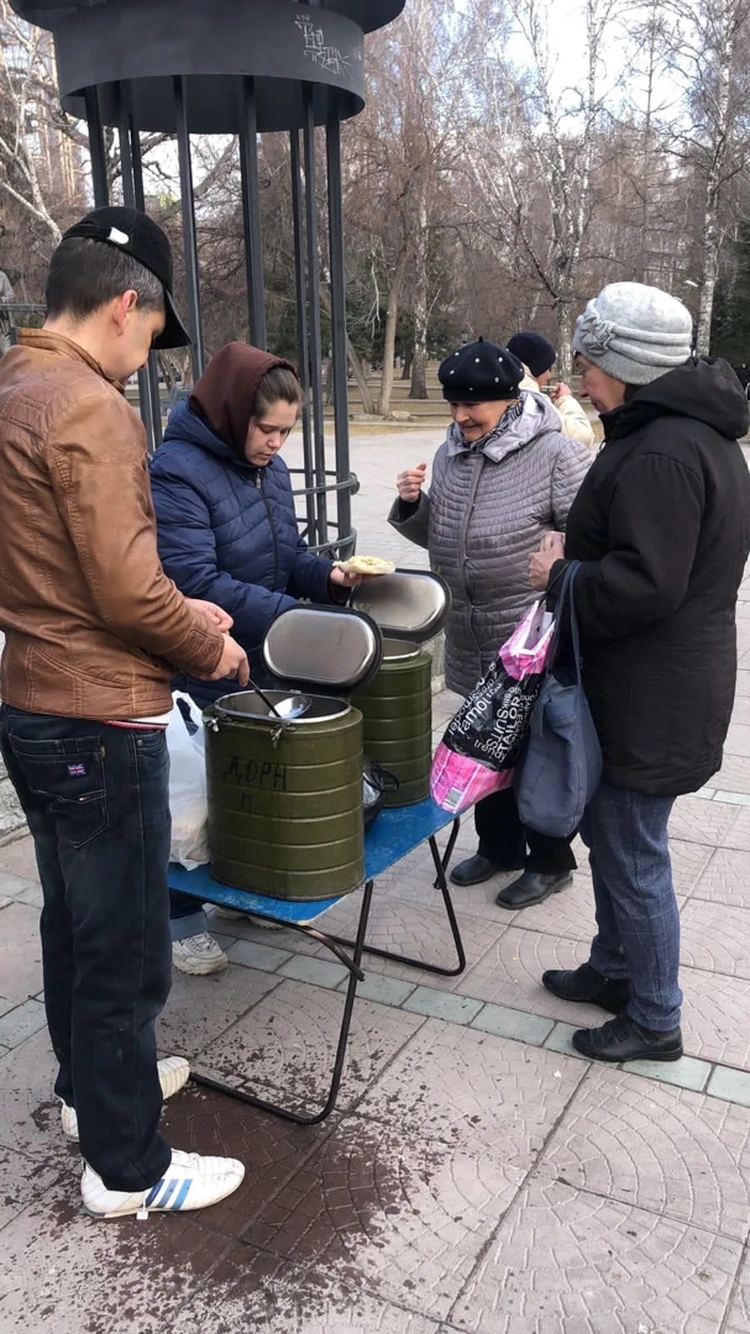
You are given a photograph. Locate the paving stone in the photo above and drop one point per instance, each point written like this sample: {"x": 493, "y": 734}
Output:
{"x": 696, "y": 821}
{"x": 29, "y": 1111}
{"x": 738, "y": 739}
{"x": 689, "y": 861}
{"x": 673, "y": 1152}
{"x": 19, "y": 858}
{"x": 25, "y": 1180}
{"x": 715, "y": 937}
{"x": 732, "y": 798}
{"x": 406, "y": 928}
{"x": 568, "y": 1260}
{"x": 687, "y": 1073}
{"x": 386, "y": 990}
{"x": 731, "y": 1084}
{"x": 734, "y": 775}
{"x": 315, "y": 971}
{"x": 559, "y": 1040}
{"x": 725, "y": 879}
{"x": 18, "y": 1024}
{"x": 284, "y": 1047}
{"x": 434, "y": 1004}
{"x": 714, "y": 1017}
{"x": 409, "y": 1217}
{"x": 63, "y": 1271}
{"x": 474, "y": 1091}
{"x": 570, "y": 913}
{"x": 738, "y": 834}
{"x": 505, "y": 1023}
{"x": 253, "y": 955}
{"x": 20, "y": 953}
{"x": 253, "y": 1290}
{"x": 510, "y": 973}
{"x": 200, "y": 1009}
{"x": 200, "y": 1120}
{"x": 738, "y": 1315}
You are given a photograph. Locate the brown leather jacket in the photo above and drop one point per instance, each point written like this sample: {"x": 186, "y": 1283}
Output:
{"x": 94, "y": 628}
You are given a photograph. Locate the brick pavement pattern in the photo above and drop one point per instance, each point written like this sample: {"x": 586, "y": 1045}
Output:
{"x": 477, "y": 1175}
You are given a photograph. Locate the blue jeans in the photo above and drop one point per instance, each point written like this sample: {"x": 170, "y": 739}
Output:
{"x": 186, "y": 916}
{"x": 97, "y": 803}
{"x": 638, "y": 921}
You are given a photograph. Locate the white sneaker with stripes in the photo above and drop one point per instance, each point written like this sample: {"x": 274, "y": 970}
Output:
{"x": 174, "y": 1072}
{"x": 190, "y": 1182}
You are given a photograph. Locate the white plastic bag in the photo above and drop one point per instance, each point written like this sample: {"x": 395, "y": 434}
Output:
{"x": 187, "y": 785}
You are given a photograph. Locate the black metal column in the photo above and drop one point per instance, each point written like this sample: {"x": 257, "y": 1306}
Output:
{"x": 338, "y": 326}
{"x": 97, "y": 151}
{"x": 303, "y": 341}
{"x": 313, "y": 294}
{"x": 188, "y": 225}
{"x": 152, "y": 368}
{"x": 251, "y": 214}
{"x": 127, "y": 173}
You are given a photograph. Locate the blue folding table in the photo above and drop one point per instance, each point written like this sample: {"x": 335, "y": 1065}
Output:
{"x": 393, "y": 834}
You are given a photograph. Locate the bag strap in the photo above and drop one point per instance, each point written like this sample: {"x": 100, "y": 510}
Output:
{"x": 566, "y": 602}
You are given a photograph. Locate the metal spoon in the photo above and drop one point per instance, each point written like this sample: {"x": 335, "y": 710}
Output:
{"x": 267, "y": 702}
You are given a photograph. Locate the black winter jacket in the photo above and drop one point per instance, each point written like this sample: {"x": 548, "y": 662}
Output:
{"x": 661, "y": 525}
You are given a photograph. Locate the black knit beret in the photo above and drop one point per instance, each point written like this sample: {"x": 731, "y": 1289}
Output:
{"x": 534, "y": 351}
{"x": 480, "y": 373}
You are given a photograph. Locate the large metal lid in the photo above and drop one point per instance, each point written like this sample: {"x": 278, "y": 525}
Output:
{"x": 408, "y": 604}
{"x": 310, "y": 646}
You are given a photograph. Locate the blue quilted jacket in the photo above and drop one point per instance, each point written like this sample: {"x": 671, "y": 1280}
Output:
{"x": 228, "y": 532}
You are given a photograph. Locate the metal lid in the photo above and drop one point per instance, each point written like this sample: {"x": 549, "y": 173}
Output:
{"x": 408, "y": 604}
{"x": 310, "y": 646}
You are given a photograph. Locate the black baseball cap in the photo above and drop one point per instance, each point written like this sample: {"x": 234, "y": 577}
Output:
{"x": 138, "y": 235}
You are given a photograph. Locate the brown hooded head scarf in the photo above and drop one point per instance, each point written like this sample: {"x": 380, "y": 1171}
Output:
{"x": 225, "y": 394}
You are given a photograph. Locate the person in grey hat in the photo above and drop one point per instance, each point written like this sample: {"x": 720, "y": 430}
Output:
{"x": 504, "y": 477}
{"x": 661, "y": 527}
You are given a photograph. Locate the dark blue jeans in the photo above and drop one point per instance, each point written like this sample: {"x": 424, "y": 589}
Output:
{"x": 97, "y": 803}
{"x": 638, "y": 921}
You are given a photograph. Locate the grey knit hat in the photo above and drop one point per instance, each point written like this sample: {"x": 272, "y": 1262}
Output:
{"x": 633, "y": 332}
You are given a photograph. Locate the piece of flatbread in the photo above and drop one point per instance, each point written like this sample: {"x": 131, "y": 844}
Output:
{"x": 365, "y": 565}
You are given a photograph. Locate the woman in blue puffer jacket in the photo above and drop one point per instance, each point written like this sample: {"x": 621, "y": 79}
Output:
{"x": 228, "y": 533}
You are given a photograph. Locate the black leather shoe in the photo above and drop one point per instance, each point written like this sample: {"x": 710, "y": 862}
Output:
{"x": 475, "y": 870}
{"x": 532, "y": 887}
{"x": 585, "y": 984}
{"x": 622, "y": 1039}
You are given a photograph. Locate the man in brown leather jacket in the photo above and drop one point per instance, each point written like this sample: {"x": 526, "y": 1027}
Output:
{"x": 94, "y": 632}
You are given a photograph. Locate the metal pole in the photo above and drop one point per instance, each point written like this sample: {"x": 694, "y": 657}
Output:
{"x": 129, "y": 199}
{"x": 97, "y": 151}
{"x": 338, "y": 324}
{"x": 303, "y": 342}
{"x": 313, "y": 290}
{"x": 251, "y": 212}
{"x": 152, "y": 368}
{"x": 188, "y": 225}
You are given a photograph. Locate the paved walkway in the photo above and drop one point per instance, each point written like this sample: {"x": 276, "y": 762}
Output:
{"x": 477, "y": 1176}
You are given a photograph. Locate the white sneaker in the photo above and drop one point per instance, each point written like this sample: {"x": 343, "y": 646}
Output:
{"x": 190, "y": 1182}
{"x": 232, "y": 915}
{"x": 198, "y": 955}
{"x": 174, "y": 1072}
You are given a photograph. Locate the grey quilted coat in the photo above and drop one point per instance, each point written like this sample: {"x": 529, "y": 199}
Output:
{"x": 487, "y": 509}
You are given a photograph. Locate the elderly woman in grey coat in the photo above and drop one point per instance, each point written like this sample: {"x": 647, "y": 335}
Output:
{"x": 504, "y": 477}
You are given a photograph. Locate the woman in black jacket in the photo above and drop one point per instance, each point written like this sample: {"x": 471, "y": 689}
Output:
{"x": 661, "y": 527}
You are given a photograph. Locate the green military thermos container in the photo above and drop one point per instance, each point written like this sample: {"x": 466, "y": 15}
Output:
{"x": 396, "y": 710}
{"x": 285, "y": 814}
{"x": 410, "y": 607}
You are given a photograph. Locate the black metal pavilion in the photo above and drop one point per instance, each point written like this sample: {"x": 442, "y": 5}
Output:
{"x": 240, "y": 67}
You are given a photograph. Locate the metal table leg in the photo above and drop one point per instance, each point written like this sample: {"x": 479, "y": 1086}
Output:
{"x": 441, "y": 883}
{"x": 356, "y": 975}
